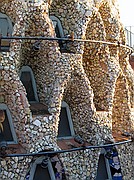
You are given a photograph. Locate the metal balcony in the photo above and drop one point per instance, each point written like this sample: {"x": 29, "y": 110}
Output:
{"x": 130, "y": 36}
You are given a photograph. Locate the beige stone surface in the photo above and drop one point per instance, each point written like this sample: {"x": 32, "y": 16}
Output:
{"x": 95, "y": 79}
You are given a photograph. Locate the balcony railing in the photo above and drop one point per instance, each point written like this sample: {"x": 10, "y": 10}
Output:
{"x": 130, "y": 36}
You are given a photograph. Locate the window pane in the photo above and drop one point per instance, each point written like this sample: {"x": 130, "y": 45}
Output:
{"x": 27, "y": 82}
{"x": 64, "y": 127}
{"x": 57, "y": 31}
{"x": 3, "y": 26}
{"x": 4, "y": 30}
{"x": 102, "y": 171}
{"x": 6, "y": 129}
{"x": 41, "y": 173}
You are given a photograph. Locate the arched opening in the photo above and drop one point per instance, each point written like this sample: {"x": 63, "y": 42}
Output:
{"x": 103, "y": 171}
{"x": 46, "y": 167}
{"x": 7, "y": 130}
{"x": 65, "y": 129}
{"x": 41, "y": 168}
{"x": 79, "y": 97}
{"x": 57, "y": 26}
{"x": 28, "y": 80}
{"x": 109, "y": 165}
{"x": 59, "y": 33}
{"x": 6, "y": 28}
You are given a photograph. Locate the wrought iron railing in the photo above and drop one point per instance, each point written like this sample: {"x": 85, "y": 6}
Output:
{"x": 130, "y": 36}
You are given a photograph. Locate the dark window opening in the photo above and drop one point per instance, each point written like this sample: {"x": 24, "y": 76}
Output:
{"x": 64, "y": 127}
{"x": 102, "y": 170}
{"x": 5, "y": 30}
{"x": 7, "y": 132}
{"x": 46, "y": 168}
{"x": 62, "y": 44}
{"x": 27, "y": 78}
{"x": 60, "y": 34}
{"x": 27, "y": 82}
{"x": 6, "y": 129}
{"x": 41, "y": 173}
{"x": 57, "y": 31}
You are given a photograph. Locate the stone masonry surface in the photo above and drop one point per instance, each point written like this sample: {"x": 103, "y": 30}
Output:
{"x": 94, "y": 79}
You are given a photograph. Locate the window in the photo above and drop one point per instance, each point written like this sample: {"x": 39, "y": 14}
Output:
{"x": 103, "y": 172}
{"x": 7, "y": 128}
{"x": 58, "y": 26}
{"x": 109, "y": 166}
{"x": 6, "y": 28}
{"x": 27, "y": 78}
{"x": 46, "y": 168}
{"x": 41, "y": 171}
{"x": 58, "y": 31}
{"x": 65, "y": 129}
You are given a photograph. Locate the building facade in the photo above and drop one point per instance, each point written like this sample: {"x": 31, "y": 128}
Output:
{"x": 64, "y": 94}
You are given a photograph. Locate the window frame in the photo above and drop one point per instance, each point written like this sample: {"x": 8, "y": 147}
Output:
{"x": 5, "y": 108}
{"x": 10, "y": 26}
{"x": 28, "y": 69}
{"x": 9, "y": 21}
{"x": 54, "y": 18}
{"x": 37, "y": 162}
{"x": 62, "y": 44}
{"x": 65, "y": 105}
{"x": 103, "y": 152}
